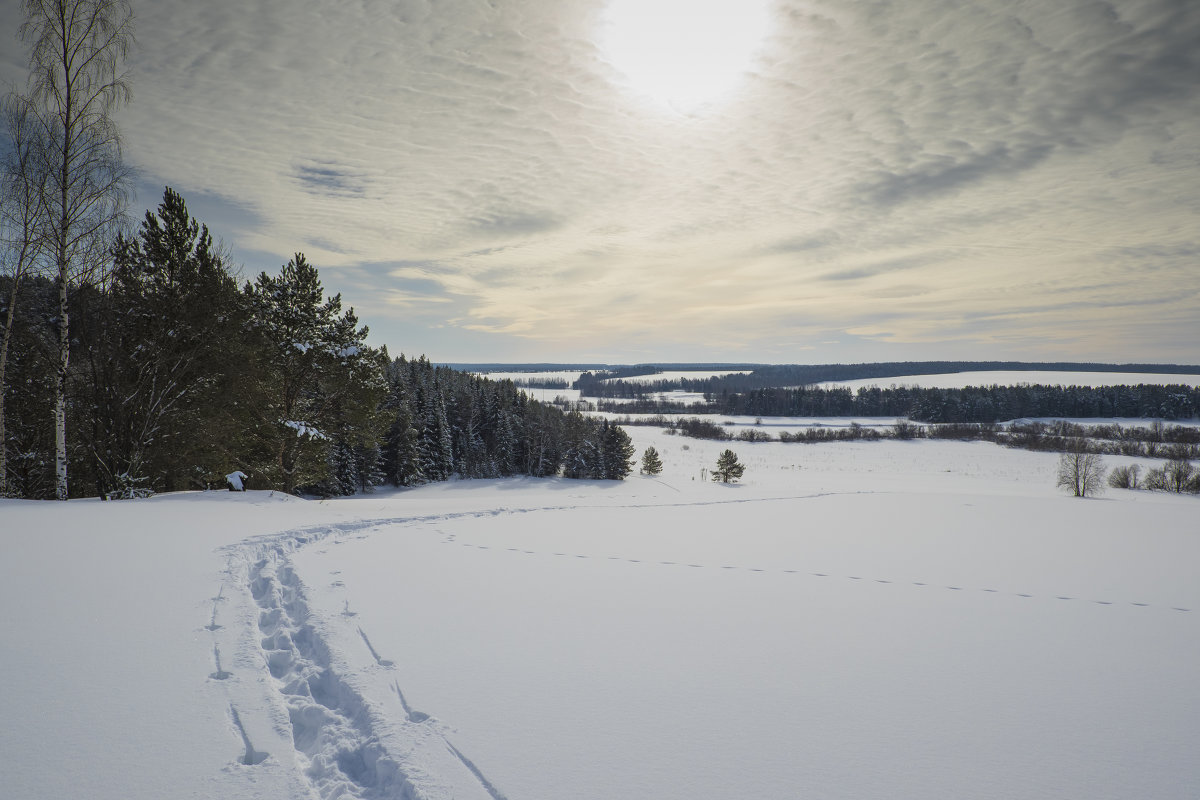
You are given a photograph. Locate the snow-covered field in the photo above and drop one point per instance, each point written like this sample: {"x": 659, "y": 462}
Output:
{"x": 857, "y": 620}
{"x": 675, "y": 375}
{"x": 952, "y": 380}
{"x": 957, "y": 380}
{"x": 570, "y": 376}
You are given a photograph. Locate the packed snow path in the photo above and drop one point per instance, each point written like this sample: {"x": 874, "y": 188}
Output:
{"x": 345, "y": 746}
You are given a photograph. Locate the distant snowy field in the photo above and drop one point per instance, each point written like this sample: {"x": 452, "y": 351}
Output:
{"x": 858, "y": 620}
{"x": 957, "y": 380}
{"x": 569, "y": 376}
{"x": 951, "y": 380}
{"x": 676, "y": 375}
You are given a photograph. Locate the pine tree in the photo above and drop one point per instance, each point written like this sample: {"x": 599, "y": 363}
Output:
{"x": 651, "y": 463}
{"x": 618, "y": 452}
{"x": 166, "y": 356}
{"x": 728, "y": 469}
{"x": 319, "y": 374}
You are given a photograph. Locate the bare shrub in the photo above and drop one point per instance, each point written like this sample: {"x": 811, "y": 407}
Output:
{"x": 1124, "y": 477}
{"x": 1081, "y": 472}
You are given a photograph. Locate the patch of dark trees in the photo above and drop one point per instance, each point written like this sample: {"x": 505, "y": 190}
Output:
{"x": 970, "y": 404}
{"x": 180, "y": 375}
{"x": 1176, "y": 442}
{"x": 792, "y": 375}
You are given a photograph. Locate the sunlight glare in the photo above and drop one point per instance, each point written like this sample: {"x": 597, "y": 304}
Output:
{"x": 684, "y": 53}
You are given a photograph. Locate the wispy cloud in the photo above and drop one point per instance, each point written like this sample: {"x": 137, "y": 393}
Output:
{"x": 932, "y": 176}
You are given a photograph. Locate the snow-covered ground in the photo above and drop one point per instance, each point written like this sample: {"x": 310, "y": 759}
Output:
{"x": 879, "y": 620}
{"x": 570, "y": 376}
{"x": 675, "y": 375}
{"x": 957, "y": 380}
{"x": 952, "y": 380}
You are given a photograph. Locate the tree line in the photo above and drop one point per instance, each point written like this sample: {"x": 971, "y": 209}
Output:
{"x": 773, "y": 376}
{"x": 133, "y": 362}
{"x": 179, "y": 376}
{"x": 975, "y": 404}
{"x": 1156, "y": 441}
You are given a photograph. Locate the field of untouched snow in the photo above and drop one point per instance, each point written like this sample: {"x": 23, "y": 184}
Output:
{"x": 952, "y": 380}
{"x": 958, "y": 380}
{"x": 675, "y": 375}
{"x": 570, "y": 376}
{"x": 881, "y": 620}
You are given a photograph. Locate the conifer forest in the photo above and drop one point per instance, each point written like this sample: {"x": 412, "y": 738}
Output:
{"x": 179, "y": 376}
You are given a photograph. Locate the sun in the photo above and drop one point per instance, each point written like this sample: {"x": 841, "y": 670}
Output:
{"x": 684, "y": 54}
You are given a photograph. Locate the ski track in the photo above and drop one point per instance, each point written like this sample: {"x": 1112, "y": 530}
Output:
{"x": 335, "y": 729}
{"x": 336, "y": 732}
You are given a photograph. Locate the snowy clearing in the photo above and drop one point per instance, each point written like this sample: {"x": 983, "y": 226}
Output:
{"x": 887, "y": 619}
{"x": 676, "y": 375}
{"x": 570, "y": 376}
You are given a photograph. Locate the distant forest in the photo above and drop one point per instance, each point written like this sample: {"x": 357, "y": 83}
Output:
{"x": 178, "y": 376}
{"x": 970, "y": 404}
{"x": 608, "y": 383}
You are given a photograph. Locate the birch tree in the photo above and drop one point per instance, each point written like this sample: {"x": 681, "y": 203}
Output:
{"x": 76, "y": 84}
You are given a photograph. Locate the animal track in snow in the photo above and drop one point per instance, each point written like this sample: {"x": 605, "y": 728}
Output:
{"x": 884, "y": 581}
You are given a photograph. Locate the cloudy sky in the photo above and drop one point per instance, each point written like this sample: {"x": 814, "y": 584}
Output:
{"x": 696, "y": 180}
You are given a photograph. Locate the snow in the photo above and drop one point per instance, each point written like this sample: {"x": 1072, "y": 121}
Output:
{"x": 675, "y": 375}
{"x": 958, "y": 380}
{"x": 884, "y": 619}
{"x": 236, "y": 480}
{"x": 570, "y": 376}
{"x": 551, "y": 395}
{"x": 304, "y": 429}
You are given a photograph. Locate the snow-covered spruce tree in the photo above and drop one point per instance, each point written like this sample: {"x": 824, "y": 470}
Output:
{"x": 345, "y": 471}
{"x": 317, "y": 374}
{"x": 581, "y": 448}
{"x": 728, "y": 468}
{"x": 651, "y": 462}
{"x": 368, "y": 459}
{"x": 401, "y": 449}
{"x": 542, "y": 444}
{"x": 436, "y": 450}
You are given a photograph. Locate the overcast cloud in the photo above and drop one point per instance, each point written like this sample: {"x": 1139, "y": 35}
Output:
{"x": 897, "y": 179}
